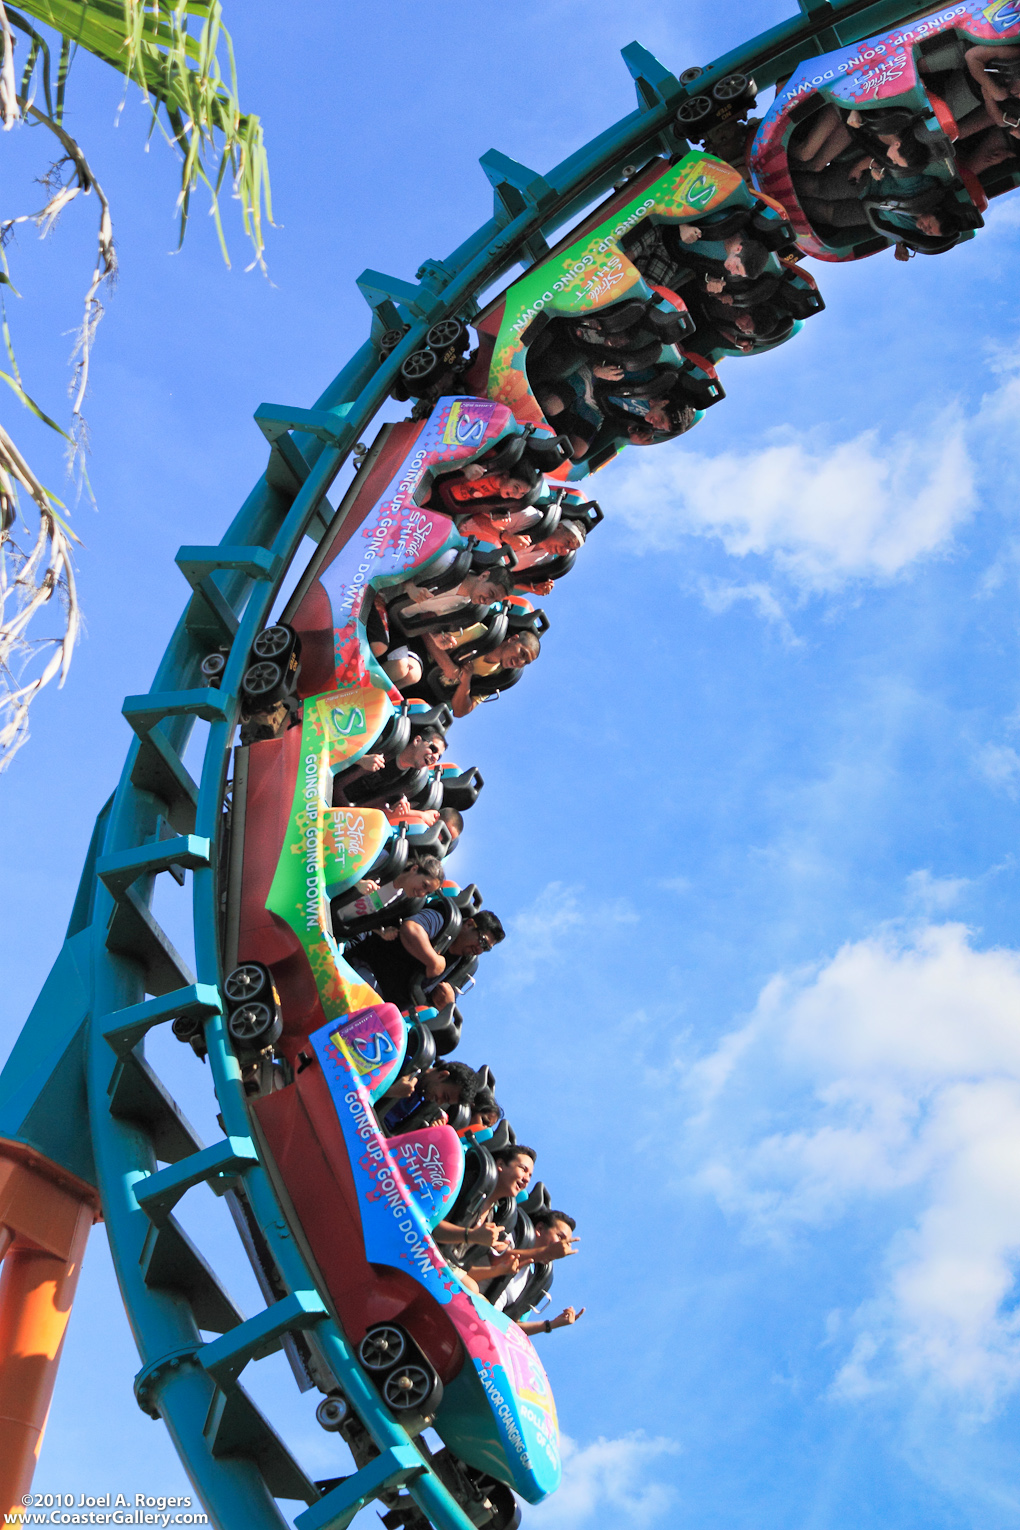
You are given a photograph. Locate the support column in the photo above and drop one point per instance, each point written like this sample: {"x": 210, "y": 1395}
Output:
{"x": 45, "y": 1219}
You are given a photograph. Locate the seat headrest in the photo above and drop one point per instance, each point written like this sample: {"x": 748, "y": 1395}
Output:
{"x": 421, "y": 1047}
{"x": 538, "y": 1200}
{"x": 503, "y": 1137}
{"x": 424, "y": 715}
{"x": 589, "y": 511}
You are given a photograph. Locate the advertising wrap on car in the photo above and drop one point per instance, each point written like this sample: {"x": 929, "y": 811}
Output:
{"x": 498, "y": 1413}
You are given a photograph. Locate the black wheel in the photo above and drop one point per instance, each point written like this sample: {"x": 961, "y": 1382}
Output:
{"x": 391, "y": 338}
{"x": 250, "y": 981}
{"x": 262, "y": 679}
{"x": 730, "y": 87}
{"x": 411, "y": 1388}
{"x": 420, "y": 366}
{"x": 186, "y": 1026}
{"x": 446, "y": 333}
{"x": 506, "y": 1511}
{"x": 382, "y": 1347}
{"x": 272, "y": 642}
{"x": 254, "y": 1025}
{"x": 213, "y": 665}
{"x": 331, "y": 1413}
{"x": 694, "y": 110}
{"x": 690, "y": 75}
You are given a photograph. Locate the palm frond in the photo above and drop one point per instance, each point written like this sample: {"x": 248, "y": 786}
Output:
{"x": 151, "y": 42}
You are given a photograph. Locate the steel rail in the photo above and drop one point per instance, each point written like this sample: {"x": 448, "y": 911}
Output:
{"x": 157, "y": 819}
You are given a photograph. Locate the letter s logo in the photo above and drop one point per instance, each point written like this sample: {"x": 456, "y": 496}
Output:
{"x": 469, "y": 432}
{"x": 375, "y": 1048}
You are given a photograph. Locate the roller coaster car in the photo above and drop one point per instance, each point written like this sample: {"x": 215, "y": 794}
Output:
{"x": 293, "y": 851}
{"x": 906, "y": 101}
{"x": 587, "y": 306}
{"x": 612, "y": 306}
{"x": 365, "y": 1206}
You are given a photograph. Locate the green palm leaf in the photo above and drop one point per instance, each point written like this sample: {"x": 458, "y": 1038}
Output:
{"x": 149, "y": 42}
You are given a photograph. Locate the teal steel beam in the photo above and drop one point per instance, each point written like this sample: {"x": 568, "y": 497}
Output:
{"x": 125, "y": 1028}
{"x": 654, "y": 83}
{"x": 275, "y": 420}
{"x": 218, "y": 1433}
{"x": 392, "y": 1469}
{"x": 119, "y": 870}
{"x": 217, "y": 1166}
{"x": 227, "y": 1357}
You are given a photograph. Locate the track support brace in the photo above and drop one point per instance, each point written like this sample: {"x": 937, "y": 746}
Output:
{"x": 396, "y": 1466}
{"x": 653, "y": 82}
{"x": 217, "y": 1166}
{"x": 226, "y": 1358}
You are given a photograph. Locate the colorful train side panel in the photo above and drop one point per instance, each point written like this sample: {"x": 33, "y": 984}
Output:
{"x": 907, "y": 97}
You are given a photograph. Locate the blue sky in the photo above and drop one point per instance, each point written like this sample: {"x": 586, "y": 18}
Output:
{"x": 751, "y": 819}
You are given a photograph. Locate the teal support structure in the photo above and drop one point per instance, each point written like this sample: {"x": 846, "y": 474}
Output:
{"x": 77, "y": 1088}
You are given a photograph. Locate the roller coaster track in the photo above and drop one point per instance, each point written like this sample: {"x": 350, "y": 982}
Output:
{"x": 79, "y": 1106}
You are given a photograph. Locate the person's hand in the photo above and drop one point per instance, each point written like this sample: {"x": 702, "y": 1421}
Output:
{"x": 610, "y": 371}
{"x": 541, "y": 586}
{"x": 714, "y": 284}
{"x": 389, "y": 933}
{"x": 510, "y": 1263}
{"x": 857, "y": 170}
{"x": 372, "y": 762}
{"x": 566, "y": 1317}
{"x": 561, "y": 1250}
{"x": 367, "y": 885}
{"x": 489, "y": 1235}
{"x": 689, "y": 234}
{"x": 474, "y": 470}
{"x": 517, "y": 544}
{"x": 444, "y": 640}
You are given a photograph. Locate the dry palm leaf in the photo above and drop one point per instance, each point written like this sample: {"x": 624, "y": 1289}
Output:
{"x": 179, "y": 72}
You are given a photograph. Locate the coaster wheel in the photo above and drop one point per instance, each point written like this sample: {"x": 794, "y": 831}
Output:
{"x": 412, "y": 1388}
{"x": 447, "y": 333}
{"x": 383, "y": 1347}
{"x": 731, "y": 86}
{"x": 695, "y": 110}
{"x": 419, "y": 371}
{"x": 262, "y": 679}
{"x": 271, "y": 643}
{"x": 213, "y": 666}
{"x": 248, "y": 982}
{"x": 254, "y": 1026}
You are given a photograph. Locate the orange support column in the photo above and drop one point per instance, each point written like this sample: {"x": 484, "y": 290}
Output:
{"x": 45, "y": 1218}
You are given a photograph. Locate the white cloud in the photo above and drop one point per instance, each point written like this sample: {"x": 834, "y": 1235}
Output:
{"x": 935, "y": 894}
{"x": 859, "y": 509}
{"x": 557, "y": 922}
{"x": 1000, "y": 766}
{"x": 607, "y": 1483}
{"x": 889, "y": 1075}
{"x": 719, "y": 596}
